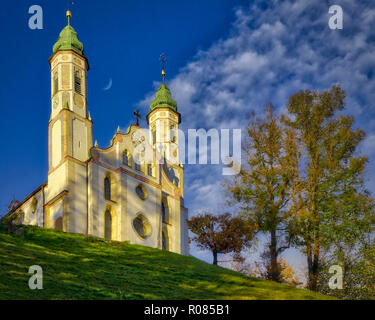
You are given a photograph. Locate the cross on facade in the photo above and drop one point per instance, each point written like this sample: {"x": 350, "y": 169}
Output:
{"x": 137, "y": 116}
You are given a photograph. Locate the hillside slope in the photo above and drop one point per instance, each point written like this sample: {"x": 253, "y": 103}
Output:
{"x": 79, "y": 267}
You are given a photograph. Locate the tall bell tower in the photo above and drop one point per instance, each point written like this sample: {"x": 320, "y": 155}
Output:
{"x": 70, "y": 126}
{"x": 69, "y": 134}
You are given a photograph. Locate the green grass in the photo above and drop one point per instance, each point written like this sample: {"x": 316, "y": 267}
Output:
{"x": 79, "y": 267}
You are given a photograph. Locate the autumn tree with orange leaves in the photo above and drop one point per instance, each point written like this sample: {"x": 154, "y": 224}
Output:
{"x": 221, "y": 233}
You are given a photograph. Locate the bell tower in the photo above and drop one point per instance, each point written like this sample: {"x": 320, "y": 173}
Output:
{"x": 163, "y": 120}
{"x": 69, "y": 135}
{"x": 70, "y": 126}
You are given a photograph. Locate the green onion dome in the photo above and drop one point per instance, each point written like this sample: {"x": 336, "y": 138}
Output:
{"x": 163, "y": 99}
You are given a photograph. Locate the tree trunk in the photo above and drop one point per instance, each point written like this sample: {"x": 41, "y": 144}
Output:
{"x": 313, "y": 264}
{"x": 313, "y": 276}
{"x": 215, "y": 257}
{"x": 275, "y": 276}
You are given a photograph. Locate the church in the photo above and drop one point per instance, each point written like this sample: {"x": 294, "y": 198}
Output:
{"x": 131, "y": 191}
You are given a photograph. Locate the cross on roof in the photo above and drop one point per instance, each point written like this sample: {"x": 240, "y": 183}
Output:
{"x": 137, "y": 116}
{"x": 163, "y": 60}
{"x": 69, "y": 3}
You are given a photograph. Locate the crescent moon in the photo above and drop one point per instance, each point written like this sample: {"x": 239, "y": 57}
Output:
{"x": 108, "y": 86}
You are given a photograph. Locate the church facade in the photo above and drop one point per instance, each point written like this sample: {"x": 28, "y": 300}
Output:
{"x": 131, "y": 191}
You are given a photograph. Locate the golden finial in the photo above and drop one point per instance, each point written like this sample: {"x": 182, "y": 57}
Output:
{"x": 68, "y": 15}
{"x": 163, "y": 61}
{"x": 163, "y": 74}
{"x": 96, "y": 143}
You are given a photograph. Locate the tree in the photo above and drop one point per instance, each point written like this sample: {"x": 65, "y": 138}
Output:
{"x": 288, "y": 275}
{"x": 331, "y": 204}
{"x": 221, "y": 233}
{"x": 357, "y": 260}
{"x": 264, "y": 185}
{"x": 11, "y": 220}
{"x": 286, "y": 272}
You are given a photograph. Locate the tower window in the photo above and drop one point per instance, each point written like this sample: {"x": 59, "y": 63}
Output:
{"x": 153, "y": 136}
{"x": 107, "y": 188}
{"x": 55, "y": 82}
{"x": 77, "y": 81}
{"x": 172, "y": 133}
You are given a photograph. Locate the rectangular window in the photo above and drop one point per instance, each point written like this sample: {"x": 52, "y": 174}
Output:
{"x": 149, "y": 169}
{"x": 137, "y": 164}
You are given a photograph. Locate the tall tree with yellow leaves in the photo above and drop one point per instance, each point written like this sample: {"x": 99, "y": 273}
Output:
{"x": 264, "y": 187}
{"x": 330, "y": 202}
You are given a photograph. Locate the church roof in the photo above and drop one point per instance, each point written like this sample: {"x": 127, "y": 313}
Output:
{"x": 68, "y": 40}
{"x": 163, "y": 99}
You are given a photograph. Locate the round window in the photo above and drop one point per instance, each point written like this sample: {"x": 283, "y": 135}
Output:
{"x": 141, "y": 191}
{"x": 142, "y": 226}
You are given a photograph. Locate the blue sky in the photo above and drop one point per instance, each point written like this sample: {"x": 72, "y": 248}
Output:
{"x": 122, "y": 40}
{"x": 225, "y": 58}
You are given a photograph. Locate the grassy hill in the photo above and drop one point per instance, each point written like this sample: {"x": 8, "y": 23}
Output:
{"x": 79, "y": 267}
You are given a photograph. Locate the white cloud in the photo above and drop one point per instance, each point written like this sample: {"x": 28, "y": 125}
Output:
{"x": 369, "y": 145}
{"x": 274, "y": 49}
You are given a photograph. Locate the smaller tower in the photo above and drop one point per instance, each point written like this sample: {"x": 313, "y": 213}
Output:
{"x": 163, "y": 120}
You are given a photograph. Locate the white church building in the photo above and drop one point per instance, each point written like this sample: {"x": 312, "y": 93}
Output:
{"x": 131, "y": 191}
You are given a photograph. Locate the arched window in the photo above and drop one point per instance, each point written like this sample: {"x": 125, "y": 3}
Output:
{"x": 126, "y": 158}
{"x": 165, "y": 211}
{"x": 164, "y": 240}
{"x": 59, "y": 223}
{"x": 77, "y": 81}
{"x": 107, "y": 188}
{"x": 108, "y": 225}
{"x": 55, "y": 82}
